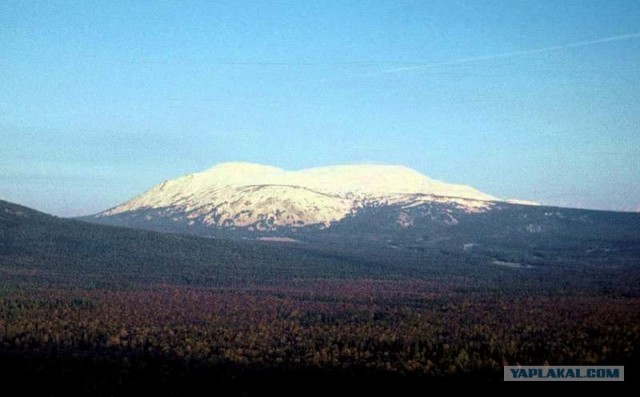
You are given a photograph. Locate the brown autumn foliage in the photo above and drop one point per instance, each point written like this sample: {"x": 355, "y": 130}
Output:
{"x": 406, "y": 327}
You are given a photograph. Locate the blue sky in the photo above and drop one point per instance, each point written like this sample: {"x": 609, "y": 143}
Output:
{"x": 536, "y": 100}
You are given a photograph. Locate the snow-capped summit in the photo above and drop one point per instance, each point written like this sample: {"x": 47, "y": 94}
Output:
{"x": 364, "y": 179}
{"x": 250, "y": 195}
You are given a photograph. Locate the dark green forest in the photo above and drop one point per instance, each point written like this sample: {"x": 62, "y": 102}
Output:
{"x": 102, "y": 310}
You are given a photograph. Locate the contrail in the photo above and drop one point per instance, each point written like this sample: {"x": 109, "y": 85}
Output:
{"x": 513, "y": 53}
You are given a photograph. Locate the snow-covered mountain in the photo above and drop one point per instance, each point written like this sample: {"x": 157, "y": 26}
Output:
{"x": 259, "y": 197}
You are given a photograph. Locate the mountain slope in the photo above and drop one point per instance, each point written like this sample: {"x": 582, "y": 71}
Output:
{"x": 40, "y": 249}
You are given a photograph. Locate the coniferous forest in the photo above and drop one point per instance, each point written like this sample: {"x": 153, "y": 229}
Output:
{"x": 100, "y": 310}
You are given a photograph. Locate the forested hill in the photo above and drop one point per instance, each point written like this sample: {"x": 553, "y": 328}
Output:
{"x": 39, "y": 248}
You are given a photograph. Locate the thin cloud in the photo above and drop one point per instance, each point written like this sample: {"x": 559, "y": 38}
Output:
{"x": 512, "y": 53}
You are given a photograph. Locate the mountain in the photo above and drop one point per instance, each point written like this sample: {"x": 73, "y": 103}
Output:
{"x": 262, "y": 198}
{"x": 373, "y": 208}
